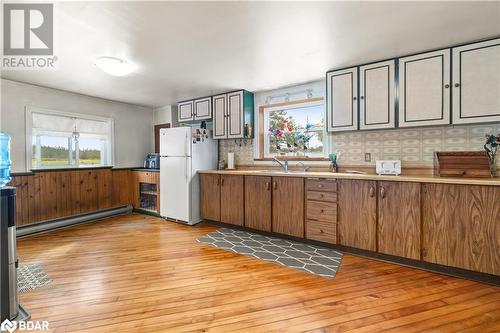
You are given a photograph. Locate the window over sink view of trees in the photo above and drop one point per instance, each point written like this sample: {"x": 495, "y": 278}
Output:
{"x": 296, "y": 131}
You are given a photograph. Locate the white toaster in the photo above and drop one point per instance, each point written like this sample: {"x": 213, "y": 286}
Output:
{"x": 388, "y": 167}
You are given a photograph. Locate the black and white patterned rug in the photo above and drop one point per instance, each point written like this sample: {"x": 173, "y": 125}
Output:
{"x": 309, "y": 258}
{"x": 31, "y": 277}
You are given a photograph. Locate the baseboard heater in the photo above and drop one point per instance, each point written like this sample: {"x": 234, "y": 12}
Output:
{"x": 71, "y": 221}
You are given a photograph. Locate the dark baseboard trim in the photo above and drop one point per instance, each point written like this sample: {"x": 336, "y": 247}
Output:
{"x": 66, "y": 222}
{"x": 426, "y": 266}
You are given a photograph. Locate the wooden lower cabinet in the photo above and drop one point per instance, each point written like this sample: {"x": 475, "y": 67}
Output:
{"x": 258, "y": 202}
{"x": 231, "y": 199}
{"x": 461, "y": 226}
{"x": 288, "y": 206}
{"x": 210, "y": 193}
{"x": 399, "y": 218}
{"x": 357, "y": 214}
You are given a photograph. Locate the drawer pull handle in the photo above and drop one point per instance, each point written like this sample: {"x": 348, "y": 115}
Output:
{"x": 268, "y": 186}
{"x": 275, "y": 185}
{"x": 321, "y": 231}
{"x": 382, "y": 192}
{"x": 371, "y": 192}
{"x": 322, "y": 211}
{"x": 321, "y": 196}
{"x": 320, "y": 185}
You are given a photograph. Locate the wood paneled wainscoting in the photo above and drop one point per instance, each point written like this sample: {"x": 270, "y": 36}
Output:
{"x": 51, "y": 194}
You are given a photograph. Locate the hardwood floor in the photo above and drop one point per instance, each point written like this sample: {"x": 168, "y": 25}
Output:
{"x": 137, "y": 273}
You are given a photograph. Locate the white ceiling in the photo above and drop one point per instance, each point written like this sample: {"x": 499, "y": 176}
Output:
{"x": 192, "y": 49}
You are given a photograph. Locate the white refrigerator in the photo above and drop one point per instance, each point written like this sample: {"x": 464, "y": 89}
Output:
{"x": 182, "y": 153}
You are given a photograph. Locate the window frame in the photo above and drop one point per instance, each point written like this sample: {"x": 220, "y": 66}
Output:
{"x": 263, "y": 109}
{"x": 29, "y": 110}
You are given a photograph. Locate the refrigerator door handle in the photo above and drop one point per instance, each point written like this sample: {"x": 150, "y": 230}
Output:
{"x": 186, "y": 168}
{"x": 186, "y": 142}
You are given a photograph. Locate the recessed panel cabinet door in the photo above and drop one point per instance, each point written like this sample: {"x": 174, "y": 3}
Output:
{"x": 357, "y": 214}
{"x": 235, "y": 115}
{"x": 231, "y": 199}
{"x": 341, "y": 96}
{"x": 461, "y": 226}
{"x": 185, "y": 111}
{"x": 220, "y": 119}
{"x": 424, "y": 89}
{"x": 210, "y": 197}
{"x": 288, "y": 206}
{"x": 399, "y": 219}
{"x": 258, "y": 202}
{"x": 476, "y": 82}
{"x": 203, "y": 108}
{"x": 376, "y": 95}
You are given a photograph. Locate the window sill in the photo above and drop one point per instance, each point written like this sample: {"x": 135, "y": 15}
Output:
{"x": 292, "y": 158}
{"x": 71, "y": 168}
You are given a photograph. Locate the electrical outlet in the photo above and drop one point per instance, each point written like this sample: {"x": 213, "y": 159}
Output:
{"x": 368, "y": 157}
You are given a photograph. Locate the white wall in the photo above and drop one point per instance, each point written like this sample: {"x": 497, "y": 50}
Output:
{"x": 133, "y": 124}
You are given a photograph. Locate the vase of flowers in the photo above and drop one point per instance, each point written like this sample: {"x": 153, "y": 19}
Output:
{"x": 491, "y": 147}
{"x": 333, "y": 158}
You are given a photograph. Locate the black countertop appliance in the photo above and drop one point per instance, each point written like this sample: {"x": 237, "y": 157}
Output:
{"x": 152, "y": 161}
{"x": 9, "y": 306}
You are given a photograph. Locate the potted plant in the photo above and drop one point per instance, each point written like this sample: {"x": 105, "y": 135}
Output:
{"x": 491, "y": 147}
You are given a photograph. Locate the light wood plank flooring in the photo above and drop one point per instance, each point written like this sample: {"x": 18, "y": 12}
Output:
{"x": 138, "y": 273}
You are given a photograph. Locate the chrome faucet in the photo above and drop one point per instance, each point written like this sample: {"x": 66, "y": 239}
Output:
{"x": 306, "y": 167}
{"x": 283, "y": 164}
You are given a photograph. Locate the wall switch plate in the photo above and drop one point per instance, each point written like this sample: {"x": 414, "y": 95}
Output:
{"x": 368, "y": 157}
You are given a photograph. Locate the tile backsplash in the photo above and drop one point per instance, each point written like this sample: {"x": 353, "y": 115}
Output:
{"x": 413, "y": 146}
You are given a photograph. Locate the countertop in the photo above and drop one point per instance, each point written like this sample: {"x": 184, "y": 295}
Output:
{"x": 146, "y": 170}
{"x": 340, "y": 175}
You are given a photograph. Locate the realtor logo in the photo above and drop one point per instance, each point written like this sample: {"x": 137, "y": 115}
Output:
{"x": 28, "y": 29}
{"x": 8, "y": 326}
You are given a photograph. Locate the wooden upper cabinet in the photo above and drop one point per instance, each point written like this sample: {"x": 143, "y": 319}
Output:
{"x": 461, "y": 226}
{"x": 476, "y": 82}
{"x": 377, "y": 95}
{"x": 341, "y": 100}
{"x": 185, "y": 111}
{"x": 258, "y": 202}
{"x": 202, "y": 108}
{"x": 220, "y": 119}
{"x": 210, "y": 195}
{"x": 231, "y": 199}
{"x": 357, "y": 214}
{"x": 424, "y": 89}
{"x": 288, "y": 206}
{"x": 399, "y": 219}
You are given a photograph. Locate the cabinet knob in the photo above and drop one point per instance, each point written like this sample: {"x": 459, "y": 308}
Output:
{"x": 222, "y": 182}
{"x": 362, "y": 97}
{"x": 457, "y": 85}
{"x": 275, "y": 185}
{"x": 371, "y": 192}
{"x": 268, "y": 186}
{"x": 322, "y": 211}
{"x": 321, "y": 195}
{"x": 446, "y": 86}
{"x": 321, "y": 231}
{"x": 382, "y": 192}
{"x": 354, "y": 98}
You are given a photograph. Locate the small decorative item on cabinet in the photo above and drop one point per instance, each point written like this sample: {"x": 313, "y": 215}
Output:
{"x": 491, "y": 147}
{"x": 333, "y": 158}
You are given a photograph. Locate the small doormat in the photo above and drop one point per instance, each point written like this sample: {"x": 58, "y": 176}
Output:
{"x": 31, "y": 277}
{"x": 309, "y": 258}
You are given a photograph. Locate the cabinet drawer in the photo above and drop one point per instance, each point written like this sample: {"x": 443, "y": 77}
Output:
{"x": 321, "y": 211}
{"x": 321, "y": 231}
{"x": 322, "y": 196}
{"x": 329, "y": 185}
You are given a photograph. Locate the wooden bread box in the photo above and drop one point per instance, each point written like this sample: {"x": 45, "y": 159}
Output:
{"x": 462, "y": 164}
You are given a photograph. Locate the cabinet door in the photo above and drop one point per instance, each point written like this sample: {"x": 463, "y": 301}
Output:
{"x": 399, "y": 219}
{"x": 357, "y": 213}
{"x": 203, "y": 108}
{"x": 185, "y": 111}
{"x": 231, "y": 199}
{"x": 376, "y": 95}
{"x": 341, "y": 100}
{"x": 210, "y": 197}
{"x": 258, "y": 202}
{"x": 424, "y": 89}
{"x": 288, "y": 206}
{"x": 235, "y": 115}
{"x": 220, "y": 119}
{"x": 476, "y": 82}
{"x": 461, "y": 226}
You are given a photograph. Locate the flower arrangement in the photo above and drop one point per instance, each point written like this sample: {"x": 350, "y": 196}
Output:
{"x": 491, "y": 147}
{"x": 286, "y": 136}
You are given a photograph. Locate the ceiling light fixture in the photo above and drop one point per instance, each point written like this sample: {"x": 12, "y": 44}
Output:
{"x": 114, "y": 66}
